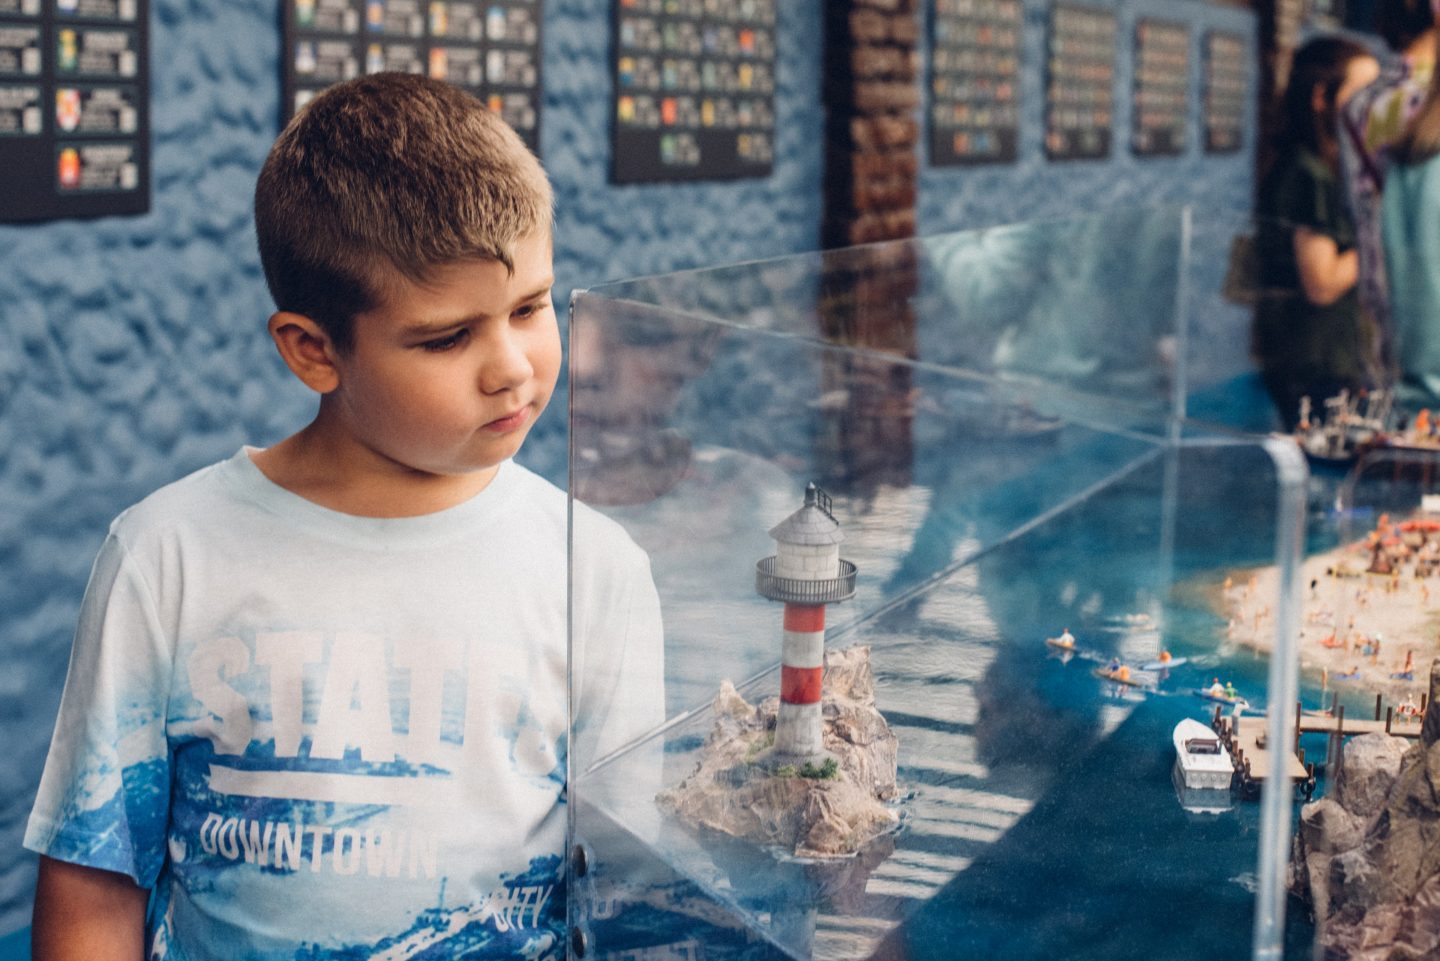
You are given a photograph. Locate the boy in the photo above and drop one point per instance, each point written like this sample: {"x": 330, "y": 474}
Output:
{"x": 317, "y": 698}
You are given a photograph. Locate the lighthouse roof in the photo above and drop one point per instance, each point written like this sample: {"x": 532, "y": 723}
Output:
{"x": 812, "y": 525}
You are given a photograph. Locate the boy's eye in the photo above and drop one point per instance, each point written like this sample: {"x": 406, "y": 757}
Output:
{"x": 447, "y": 342}
{"x": 531, "y": 308}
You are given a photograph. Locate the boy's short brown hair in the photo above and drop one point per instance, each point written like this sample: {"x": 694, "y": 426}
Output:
{"x": 389, "y": 173}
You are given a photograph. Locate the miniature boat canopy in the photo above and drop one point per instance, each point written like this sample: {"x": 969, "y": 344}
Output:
{"x": 1202, "y": 745}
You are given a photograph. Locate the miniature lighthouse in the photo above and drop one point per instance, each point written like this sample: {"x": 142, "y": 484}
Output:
{"x": 806, "y": 573}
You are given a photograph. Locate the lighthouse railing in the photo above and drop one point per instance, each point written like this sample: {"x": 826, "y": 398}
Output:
{"x": 795, "y": 590}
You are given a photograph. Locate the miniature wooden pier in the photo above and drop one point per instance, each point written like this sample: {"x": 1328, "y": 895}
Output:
{"x": 1245, "y": 737}
{"x": 1335, "y": 723}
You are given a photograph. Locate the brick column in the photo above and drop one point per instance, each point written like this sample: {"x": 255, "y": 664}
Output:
{"x": 871, "y": 94}
{"x": 872, "y": 135}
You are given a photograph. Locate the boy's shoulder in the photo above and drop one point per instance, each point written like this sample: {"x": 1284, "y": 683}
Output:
{"x": 196, "y": 495}
{"x": 555, "y": 505}
{"x": 600, "y": 547}
{"x": 232, "y": 499}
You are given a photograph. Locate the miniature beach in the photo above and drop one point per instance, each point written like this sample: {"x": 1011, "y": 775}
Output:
{"x": 1367, "y": 620}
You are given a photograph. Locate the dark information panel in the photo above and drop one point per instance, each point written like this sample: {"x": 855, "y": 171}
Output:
{"x": 694, "y": 90}
{"x": 1080, "y": 83}
{"x": 1226, "y": 78}
{"x": 74, "y": 109}
{"x": 1161, "y": 96}
{"x": 489, "y": 47}
{"x": 975, "y": 80}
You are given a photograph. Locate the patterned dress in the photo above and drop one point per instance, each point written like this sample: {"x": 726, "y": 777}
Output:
{"x": 1370, "y": 122}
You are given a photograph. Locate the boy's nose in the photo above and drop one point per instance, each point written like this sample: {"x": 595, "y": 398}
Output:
{"x": 507, "y": 364}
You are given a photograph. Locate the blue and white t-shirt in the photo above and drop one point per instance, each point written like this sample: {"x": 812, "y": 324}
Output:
{"x": 318, "y": 735}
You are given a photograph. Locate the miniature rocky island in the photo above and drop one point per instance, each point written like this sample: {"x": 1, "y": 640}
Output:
{"x": 1367, "y": 856}
{"x": 809, "y": 771}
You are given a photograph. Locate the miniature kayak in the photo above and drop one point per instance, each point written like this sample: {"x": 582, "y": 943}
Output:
{"x": 1122, "y": 676}
{"x": 1221, "y": 698}
{"x": 1163, "y": 665}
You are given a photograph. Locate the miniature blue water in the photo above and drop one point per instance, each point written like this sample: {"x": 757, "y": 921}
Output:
{"x": 1040, "y": 818}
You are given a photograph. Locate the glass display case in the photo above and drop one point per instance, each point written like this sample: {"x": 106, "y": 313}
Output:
{"x": 960, "y": 468}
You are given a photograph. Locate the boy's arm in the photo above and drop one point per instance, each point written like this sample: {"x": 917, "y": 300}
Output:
{"x": 619, "y": 660}
{"x": 87, "y": 914}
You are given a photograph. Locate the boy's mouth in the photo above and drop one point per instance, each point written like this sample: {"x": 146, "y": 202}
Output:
{"x": 509, "y": 422}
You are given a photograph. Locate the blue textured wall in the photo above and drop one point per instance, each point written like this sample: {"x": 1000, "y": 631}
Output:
{"x": 133, "y": 350}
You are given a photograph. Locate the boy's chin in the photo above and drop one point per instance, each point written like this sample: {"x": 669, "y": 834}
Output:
{"x": 469, "y": 470}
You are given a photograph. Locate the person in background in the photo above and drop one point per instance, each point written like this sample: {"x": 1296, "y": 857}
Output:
{"x": 1309, "y": 337}
{"x": 1370, "y": 124}
{"x": 1410, "y": 231}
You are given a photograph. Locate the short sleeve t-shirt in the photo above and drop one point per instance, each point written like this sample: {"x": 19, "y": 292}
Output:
{"x": 323, "y": 736}
{"x": 1329, "y": 341}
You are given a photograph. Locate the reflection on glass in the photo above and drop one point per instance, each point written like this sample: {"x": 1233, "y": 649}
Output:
{"x": 996, "y": 417}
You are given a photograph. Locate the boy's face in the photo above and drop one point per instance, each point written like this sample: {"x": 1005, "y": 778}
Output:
{"x": 447, "y": 378}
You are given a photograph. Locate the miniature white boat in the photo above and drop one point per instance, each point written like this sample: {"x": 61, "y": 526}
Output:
{"x": 1200, "y": 800}
{"x": 1349, "y": 426}
{"x": 1204, "y": 761}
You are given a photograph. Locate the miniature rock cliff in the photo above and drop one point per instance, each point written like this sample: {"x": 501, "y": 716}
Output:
{"x": 831, "y": 811}
{"x": 1368, "y": 856}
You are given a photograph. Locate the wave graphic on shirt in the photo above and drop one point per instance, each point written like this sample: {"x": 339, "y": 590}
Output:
{"x": 523, "y": 919}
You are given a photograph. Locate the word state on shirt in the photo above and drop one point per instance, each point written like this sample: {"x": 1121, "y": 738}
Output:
{"x": 437, "y": 709}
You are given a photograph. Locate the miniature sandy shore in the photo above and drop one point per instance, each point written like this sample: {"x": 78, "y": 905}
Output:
{"x": 1362, "y": 629}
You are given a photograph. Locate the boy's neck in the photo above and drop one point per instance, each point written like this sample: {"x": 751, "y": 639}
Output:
{"x": 355, "y": 480}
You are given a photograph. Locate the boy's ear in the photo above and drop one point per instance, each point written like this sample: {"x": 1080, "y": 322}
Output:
{"x": 306, "y": 349}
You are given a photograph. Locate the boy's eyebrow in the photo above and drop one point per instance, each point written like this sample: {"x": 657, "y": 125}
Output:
{"x": 541, "y": 289}
{"x": 422, "y": 327}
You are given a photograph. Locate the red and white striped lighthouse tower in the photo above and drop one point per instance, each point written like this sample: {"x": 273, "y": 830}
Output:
{"x": 806, "y": 573}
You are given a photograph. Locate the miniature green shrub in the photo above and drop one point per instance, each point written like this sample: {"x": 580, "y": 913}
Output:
{"x": 825, "y": 772}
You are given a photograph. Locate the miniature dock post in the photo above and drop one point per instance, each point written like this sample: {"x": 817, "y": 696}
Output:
{"x": 1335, "y": 751}
{"x": 806, "y": 573}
